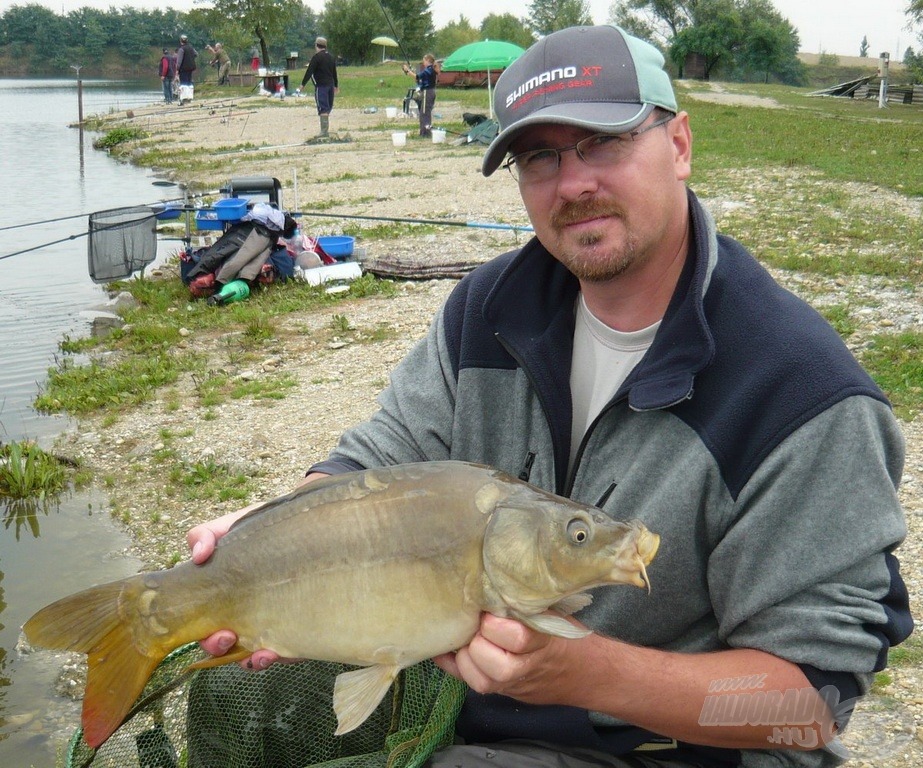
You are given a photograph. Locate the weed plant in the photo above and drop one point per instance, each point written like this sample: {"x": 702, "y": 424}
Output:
{"x": 27, "y": 471}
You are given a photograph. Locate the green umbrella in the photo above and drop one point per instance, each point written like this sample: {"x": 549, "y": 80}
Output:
{"x": 489, "y": 55}
{"x": 482, "y": 55}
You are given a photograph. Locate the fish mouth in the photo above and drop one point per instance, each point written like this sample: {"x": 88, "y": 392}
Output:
{"x": 646, "y": 547}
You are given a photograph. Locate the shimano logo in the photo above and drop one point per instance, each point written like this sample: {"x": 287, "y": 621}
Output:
{"x": 539, "y": 84}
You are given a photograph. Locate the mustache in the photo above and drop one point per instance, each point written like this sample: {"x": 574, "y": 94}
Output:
{"x": 581, "y": 210}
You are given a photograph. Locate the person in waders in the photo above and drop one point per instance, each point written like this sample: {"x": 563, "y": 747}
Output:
{"x": 322, "y": 71}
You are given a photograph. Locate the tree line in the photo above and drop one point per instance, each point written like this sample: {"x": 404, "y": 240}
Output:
{"x": 734, "y": 39}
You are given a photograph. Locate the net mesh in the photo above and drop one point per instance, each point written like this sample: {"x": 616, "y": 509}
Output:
{"x": 281, "y": 717}
{"x": 122, "y": 241}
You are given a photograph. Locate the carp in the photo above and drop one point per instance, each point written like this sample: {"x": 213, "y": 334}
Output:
{"x": 381, "y": 569}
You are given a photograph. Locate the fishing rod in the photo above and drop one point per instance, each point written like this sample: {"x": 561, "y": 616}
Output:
{"x": 436, "y": 222}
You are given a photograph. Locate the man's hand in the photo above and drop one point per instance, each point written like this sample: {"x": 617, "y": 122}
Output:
{"x": 202, "y": 540}
{"x": 509, "y": 658}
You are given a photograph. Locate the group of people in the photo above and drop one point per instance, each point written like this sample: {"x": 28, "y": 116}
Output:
{"x": 632, "y": 357}
{"x": 177, "y": 67}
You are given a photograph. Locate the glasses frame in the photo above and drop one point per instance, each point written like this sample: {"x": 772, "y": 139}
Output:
{"x": 510, "y": 163}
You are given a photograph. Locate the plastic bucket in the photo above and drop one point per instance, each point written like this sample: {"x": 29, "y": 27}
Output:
{"x": 438, "y": 136}
{"x": 399, "y": 138}
{"x": 391, "y": 111}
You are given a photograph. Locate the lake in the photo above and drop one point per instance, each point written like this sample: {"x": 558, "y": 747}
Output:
{"x": 54, "y": 179}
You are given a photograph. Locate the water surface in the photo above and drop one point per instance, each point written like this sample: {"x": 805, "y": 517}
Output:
{"x": 53, "y": 179}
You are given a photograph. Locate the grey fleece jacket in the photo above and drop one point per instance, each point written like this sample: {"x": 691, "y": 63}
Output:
{"x": 748, "y": 437}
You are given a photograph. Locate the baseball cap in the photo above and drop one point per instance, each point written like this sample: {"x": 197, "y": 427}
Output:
{"x": 321, "y": 42}
{"x": 600, "y": 78}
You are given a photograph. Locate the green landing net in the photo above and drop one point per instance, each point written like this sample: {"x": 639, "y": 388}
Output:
{"x": 282, "y": 717}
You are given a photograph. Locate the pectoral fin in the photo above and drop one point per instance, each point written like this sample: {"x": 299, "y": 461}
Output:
{"x": 573, "y": 603}
{"x": 357, "y": 693}
{"x": 553, "y": 625}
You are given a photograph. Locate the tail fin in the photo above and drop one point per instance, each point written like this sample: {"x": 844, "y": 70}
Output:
{"x": 89, "y": 622}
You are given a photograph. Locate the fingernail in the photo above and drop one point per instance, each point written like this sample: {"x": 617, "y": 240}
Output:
{"x": 264, "y": 662}
{"x": 196, "y": 549}
{"x": 225, "y": 642}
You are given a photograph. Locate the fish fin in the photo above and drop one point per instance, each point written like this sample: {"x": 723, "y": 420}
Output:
{"x": 118, "y": 670}
{"x": 573, "y": 603}
{"x": 236, "y": 653}
{"x": 553, "y": 625}
{"x": 357, "y": 693}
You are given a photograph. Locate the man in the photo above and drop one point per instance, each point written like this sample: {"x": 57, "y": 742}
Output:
{"x": 322, "y": 71}
{"x": 185, "y": 61}
{"x": 632, "y": 358}
{"x": 221, "y": 60}
{"x": 167, "y": 71}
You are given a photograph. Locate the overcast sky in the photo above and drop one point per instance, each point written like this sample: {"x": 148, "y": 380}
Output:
{"x": 830, "y": 26}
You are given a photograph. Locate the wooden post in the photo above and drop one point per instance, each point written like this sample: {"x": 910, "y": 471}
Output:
{"x": 883, "y": 74}
{"x": 76, "y": 68}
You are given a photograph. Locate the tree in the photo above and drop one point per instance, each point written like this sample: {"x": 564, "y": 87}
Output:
{"x": 350, "y": 26}
{"x": 507, "y": 27}
{"x": 547, "y": 16}
{"x": 744, "y": 38}
{"x": 264, "y": 18}
{"x": 453, "y": 36}
{"x": 715, "y": 35}
{"x": 413, "y": 21}
{"x": 864, "y": 47}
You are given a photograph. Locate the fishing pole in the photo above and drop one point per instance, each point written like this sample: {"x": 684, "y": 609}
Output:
{"x": 435, "y": 222}
{"x": 394, "y": 32}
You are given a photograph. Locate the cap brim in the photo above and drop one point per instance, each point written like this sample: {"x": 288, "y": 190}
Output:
{"x": 598, "y": 117}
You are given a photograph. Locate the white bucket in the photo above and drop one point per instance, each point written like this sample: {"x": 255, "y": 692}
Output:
{"x": 438, "y": 136}
{"x": 399, "y": 139}
{"x": 391, "y": 111}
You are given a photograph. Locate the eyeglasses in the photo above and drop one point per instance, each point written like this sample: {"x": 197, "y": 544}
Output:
{"x": 600, "y": 149}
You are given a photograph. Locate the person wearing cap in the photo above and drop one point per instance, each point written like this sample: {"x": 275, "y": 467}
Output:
{"x": 322, "y": 71}
{"x": 631, "y": 357}
{"x": 221, "y": 60}
{"x": 185, "y": 61}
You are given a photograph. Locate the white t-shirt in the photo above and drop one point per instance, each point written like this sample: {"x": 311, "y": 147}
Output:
{"x": 603, "y": 358}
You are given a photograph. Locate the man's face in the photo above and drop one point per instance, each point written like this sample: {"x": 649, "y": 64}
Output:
{"x": 601, "y": 221}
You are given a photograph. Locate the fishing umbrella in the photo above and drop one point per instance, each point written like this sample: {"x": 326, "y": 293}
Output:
{"x": 384, "y": 42}
{"x": 489, "y": 55}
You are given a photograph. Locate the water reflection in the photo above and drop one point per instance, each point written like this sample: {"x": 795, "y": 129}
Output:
{"x": 22, "y": 514}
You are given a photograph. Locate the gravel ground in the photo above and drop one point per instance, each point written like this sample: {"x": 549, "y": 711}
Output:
{"x": 338, "y": 376}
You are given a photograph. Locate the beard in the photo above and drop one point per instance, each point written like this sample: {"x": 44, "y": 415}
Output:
{"x": 587, "y": 259}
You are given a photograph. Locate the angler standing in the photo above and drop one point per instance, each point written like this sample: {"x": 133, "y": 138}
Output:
{"x": 426, "y": 88}
{"x": 185, "y": 66}
{"x": 322, "y": 71}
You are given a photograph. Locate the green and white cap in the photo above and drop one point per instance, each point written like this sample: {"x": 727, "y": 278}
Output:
{"x": 599, "y": 78}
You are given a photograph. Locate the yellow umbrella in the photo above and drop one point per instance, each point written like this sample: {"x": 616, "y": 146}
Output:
{"x": 384, "y": 42}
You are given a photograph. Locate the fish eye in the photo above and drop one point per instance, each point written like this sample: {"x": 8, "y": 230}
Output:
{"x": 578, "y": 531}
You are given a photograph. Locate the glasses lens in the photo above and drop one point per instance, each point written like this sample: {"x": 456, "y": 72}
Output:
{"x": 536, "y": 165}
{"x": 602, "y": 149}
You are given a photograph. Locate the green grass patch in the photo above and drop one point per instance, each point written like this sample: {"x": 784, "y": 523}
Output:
{"x": 210, "y": 480}
{"x": 81, "y": 389}
{"x": 895, "y": 361}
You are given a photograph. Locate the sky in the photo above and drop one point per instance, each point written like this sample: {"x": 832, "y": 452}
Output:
{"x": 824, "y": 26}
